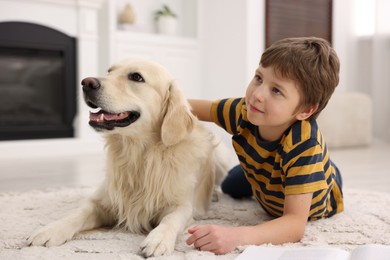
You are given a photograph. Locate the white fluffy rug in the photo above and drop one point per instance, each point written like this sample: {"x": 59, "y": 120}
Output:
{"x": 366, "y": 220}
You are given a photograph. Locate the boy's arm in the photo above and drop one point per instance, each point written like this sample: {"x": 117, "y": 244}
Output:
{"x": 288, "y": 228}
{"x": 201, "y": 109}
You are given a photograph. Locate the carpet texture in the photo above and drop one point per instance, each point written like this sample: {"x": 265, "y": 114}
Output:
{"x": 366, "y": 220}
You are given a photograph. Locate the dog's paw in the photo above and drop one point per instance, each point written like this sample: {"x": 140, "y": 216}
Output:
{"x": 160, "y": 241}
{"x": 54, "y": 234}
{"x": 216, "y": 194}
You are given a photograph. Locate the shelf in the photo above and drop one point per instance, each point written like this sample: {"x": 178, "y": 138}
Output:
{"x": 154, "y": 39}
{"x": 179, "y": 53}
{"x": 186, "y": 11}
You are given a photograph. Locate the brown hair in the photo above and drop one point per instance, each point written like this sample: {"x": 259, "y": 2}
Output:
{"x": 309, "y": 61}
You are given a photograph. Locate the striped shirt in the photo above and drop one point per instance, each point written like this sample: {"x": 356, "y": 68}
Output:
{"x": 297, "y": 163}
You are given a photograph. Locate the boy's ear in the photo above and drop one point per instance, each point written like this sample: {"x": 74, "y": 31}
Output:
{"x": 307, "y": 112}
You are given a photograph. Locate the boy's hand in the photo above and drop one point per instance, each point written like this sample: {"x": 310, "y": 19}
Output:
{"x": 216, "y": 239}
{"x": 288, "y": 228}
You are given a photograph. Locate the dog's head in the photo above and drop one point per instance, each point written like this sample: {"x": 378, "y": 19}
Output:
{"x": 137, "y": 96}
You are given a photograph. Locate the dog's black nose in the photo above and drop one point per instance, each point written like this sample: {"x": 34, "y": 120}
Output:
{"x": 90, "y": 84}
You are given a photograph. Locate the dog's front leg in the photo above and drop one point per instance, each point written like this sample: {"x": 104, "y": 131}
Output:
{"x": 162, "y": 239}
{"x": 87, "y": 217}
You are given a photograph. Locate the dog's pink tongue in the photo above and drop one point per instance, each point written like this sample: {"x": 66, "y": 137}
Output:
{"x": 107, "y": 116}
{"x": 120, "y": 116}
{"x": 95, "y": 116}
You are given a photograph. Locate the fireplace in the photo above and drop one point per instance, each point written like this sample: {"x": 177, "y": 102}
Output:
{"x": 79, "y": 20}
{"x": 37, "y": 82}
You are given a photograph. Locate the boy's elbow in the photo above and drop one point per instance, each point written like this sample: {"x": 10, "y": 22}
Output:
{"x": 297, "y": 230}
{"x": 298, "y": 233}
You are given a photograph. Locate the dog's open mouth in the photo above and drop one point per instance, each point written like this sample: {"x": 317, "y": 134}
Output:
{"x": 100, "y": 119}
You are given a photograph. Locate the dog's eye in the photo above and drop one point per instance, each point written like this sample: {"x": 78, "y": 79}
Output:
{"x": 136, "y": 77}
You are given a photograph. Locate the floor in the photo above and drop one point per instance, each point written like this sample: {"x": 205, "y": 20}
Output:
{"x": 362, "y": 168}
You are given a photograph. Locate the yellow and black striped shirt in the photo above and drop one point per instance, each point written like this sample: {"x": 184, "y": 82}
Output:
{"x": 298, "y": 163}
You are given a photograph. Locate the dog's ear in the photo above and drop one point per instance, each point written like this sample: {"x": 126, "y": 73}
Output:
{"x": 178, "y": 121}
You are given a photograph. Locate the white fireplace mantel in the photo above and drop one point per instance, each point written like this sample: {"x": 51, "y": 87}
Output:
{"x": 76, "y": 18}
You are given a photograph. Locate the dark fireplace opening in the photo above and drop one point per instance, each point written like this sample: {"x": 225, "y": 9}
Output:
{"x": 37, "y": 82}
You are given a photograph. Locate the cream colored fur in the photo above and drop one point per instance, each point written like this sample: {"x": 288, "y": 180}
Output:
{"x": 161, "y": 169}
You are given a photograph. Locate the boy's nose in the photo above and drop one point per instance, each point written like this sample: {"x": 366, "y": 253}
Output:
{"x": 259, "y": 93}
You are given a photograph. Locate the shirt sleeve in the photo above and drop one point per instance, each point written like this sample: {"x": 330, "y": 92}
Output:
{"x": 227, "y": 113}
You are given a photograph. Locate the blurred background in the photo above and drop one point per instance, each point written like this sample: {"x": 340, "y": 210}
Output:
{"x": 212, "y": 47}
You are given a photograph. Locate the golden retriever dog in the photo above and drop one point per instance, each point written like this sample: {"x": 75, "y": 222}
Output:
{"x": 162, "y": 164}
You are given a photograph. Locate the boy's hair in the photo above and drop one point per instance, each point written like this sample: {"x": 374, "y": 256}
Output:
{"x": 311, "y": 62}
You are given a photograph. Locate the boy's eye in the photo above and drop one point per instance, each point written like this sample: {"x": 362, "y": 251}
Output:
{"x": 258, "y": 78}
{"x": 276, "y": 91}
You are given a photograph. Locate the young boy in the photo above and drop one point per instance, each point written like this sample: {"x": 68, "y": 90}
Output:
{"x": 281, "y": 150}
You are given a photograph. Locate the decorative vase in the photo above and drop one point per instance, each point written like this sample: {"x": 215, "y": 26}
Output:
{"x": 127, "y": 16}
{"x": 167, "y": 25}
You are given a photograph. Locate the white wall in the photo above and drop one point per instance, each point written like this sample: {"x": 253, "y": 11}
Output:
{"x": 341, "y": 41}
{"x": 231, "y": 38}
{"x": 362, "y": 40}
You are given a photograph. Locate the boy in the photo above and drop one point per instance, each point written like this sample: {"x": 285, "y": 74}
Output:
{"x": 280, "y": 148}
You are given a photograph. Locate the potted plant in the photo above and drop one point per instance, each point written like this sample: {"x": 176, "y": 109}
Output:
{"x": 166, "y": 21}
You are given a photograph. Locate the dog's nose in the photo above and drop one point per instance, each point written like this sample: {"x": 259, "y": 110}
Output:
{"x": 90, "y": 84}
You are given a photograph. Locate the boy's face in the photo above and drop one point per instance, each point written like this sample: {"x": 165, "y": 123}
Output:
{"x": 272, "y": 101}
